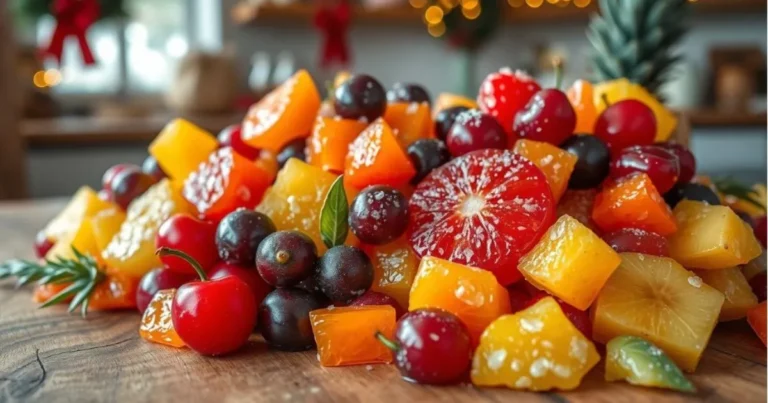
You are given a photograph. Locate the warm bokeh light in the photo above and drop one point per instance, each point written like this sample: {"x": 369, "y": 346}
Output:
{"x": 563, "y": 3}
{"x": 516, "y": 3}
{"x": 52, "y": 77}
{"x": 436, "y": 30}
{"x": 417, "y": 3}
{"x": 469, "y": 4}
{"x": 471, "y": 13}
{"x": 581, "y": 3}
{"x": 534, "y": 3}
{"x": 433, "y": 15}
{"x": 448, "y": 4}
{"x": 552, "y": 1}
{"x": 39, "y": 79}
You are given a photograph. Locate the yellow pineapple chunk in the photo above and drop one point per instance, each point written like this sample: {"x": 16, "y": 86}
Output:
{"x": 106, "y": 224}
{"x": 711, "y": 237}
{"x": 657, "y": 299}
{"x": 734, "y": 286}
{"x": 84, "y": 204}
{"x": 181, "y": 147}
{"x": 83, "y": 240}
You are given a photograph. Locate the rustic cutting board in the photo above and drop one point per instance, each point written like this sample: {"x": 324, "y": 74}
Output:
{"x": 49, "y": 356}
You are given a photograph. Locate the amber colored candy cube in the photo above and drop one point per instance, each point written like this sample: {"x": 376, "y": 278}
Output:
{"x": 756, "y": 318}
{"x": 472, "y": 294}
{"x": 106, "y": 224}
{"x": 657, "y": 299}
{"x": 410, "y": 121}
{"x": 328, "y": 145}
{"x": 447, "y": 100}
{"x": 376, "y": 158}
{"x": 394, "y": 266}
{"x": 738, "y": 294}
{"x": 535, "y": 349}
{"x": 85, "y": 203}
{"x": 711, "y": 237}
{"x": 346, "y": 335}
{"x": 581, "y": 96}
{"x": 181, "y": 147}
{"x": 285, "y": 114}
{"x": 156, "y": 323}
{"x": 556, "y": 163}
{"x": 633, "y": 203}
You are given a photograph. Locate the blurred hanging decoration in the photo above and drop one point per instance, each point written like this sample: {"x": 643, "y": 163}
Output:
{"x": 332, "y": 19}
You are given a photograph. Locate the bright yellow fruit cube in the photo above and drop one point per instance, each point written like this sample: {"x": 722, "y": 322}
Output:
{"x": 535, "y": 349}
{"x": 181, "y": 147}
{"x": 83, "y": 240}
{"x": 84, "y": 204}
{"x": 734, "y": 286}
{"x": 570, "y": 262}
{"x": 711, "y": 237}
{"x": 106, "y": 224}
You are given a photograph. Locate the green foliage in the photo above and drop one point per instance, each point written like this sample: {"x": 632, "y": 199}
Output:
{"x": 471, "y": 34}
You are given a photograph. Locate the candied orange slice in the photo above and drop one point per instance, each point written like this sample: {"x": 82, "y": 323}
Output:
{"x": 157, "y": 324}
{"x": 328, "y": 145}
{"x": 410, "y": 121}
{"x": 375, "y": 158}
{"x": 346, "y": 335}
{"x": 633, "y": 203}
{"x": 556, "y": 163}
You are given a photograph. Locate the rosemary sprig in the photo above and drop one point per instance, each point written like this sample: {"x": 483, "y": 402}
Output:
{"x": 732, "y": 187}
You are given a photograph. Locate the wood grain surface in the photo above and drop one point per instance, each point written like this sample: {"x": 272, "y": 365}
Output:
{"x": 49, "y": 356}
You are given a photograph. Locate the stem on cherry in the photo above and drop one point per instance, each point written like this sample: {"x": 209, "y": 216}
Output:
{"x": 164, "y": 251}
{"x": 606, "y": 101}
{"x": 390, "y": 344}
{"x": 558, "y": 63}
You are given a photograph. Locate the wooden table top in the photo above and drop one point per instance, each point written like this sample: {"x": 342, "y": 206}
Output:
{"x": 50, "y": 356}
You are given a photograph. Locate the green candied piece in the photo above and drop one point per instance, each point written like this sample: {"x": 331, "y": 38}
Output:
{"x": 639, "y": 362}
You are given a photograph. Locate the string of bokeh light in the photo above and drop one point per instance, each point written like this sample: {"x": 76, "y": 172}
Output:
{"x": 47, "y": 78}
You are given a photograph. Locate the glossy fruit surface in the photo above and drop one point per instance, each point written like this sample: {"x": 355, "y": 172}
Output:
{"x": 593, "y": 162}
{"x": 360, "y": 96}
{"x": 129, "y": 184}
{"x": 410, "y": 122}
{"x": 579, "y": 319}
{"x": 153, "y": 169}
{"x": 284, "y": 319}
{"x": 156, "y": 280}
{"x": 378, "y": 215}
{"x": 344, "y": 335}
{"x": 739, "y": 298}
{"x": 474, "y": 130}
{"x": 376, "y": 158}
{"x": 633, "y": 202}
{"x": 239, "y": 234}
{"x": 232, "y": 136}
{"x": 444, "y": 120}
{"x": 659, "y": 164}
{"x": 626, "y": 123}
{"x": 109, "y": 175}
{"x": 427, "y": 155}
{"x": 42, "y": 244}
{"x": 685, "y": 158}
{"x": 105, "y": 225}
{"x": 394, "y": 268}
{"x": 581, "y": 95}
{"x": 377, "y": 298}
{"x": 329, "y": 142}
{"x": 556, "y": 164}
{"x": 621, "y": 89}
{"x": 408, "y": 92}
{"x": 757, "y": 321}
{"x": 639, "y": 362}
{"x": 285, "y": 258}
{"x": 181, "y": 147}
{"x": 191, "y": 236}
{"x": 344, "y": 273}
{"x": 156, "y": 320}
{"x": 85, "y": 203}
{"x": 505, "y": 93}
{"x": 294, "y": 149}
{"x": 691, "y": 191}
{"x": 249, "y": 275}
{"x": 638, "y": 241}
{"x": 547, "y": 117}
{"x": 489, "y": 197}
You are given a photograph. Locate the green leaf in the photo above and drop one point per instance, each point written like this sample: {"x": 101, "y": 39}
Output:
{"x": 333, "y": 216}
{"x": 732, "y": 187}
{"x": 639, "y": 362}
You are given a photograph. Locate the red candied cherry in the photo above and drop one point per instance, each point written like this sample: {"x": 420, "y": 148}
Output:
{"x": 579, "y": 319}
{"x": 284, "y": 258}
{"x": 691, "y": 191}
{"x": 431, "y": 346}
{"x": 156, "y": 280}
{"x": 626, "y": 123}
{"x": 548, "y": 116}
{"x": 42, "y": 245}
{"x": 426, "y": 155}
{"x": 378, "y": 214}
{"x": 129, "y": 184}
{"x": 637, "y": 240}
{"x": 593, "y": 162}
{"x": 295, "y": 149}
{"x": 212, "y": 317}
{"x": 686, "y": 159}
{"x": 344, "y": 273}
{"x": 360, "y": 97}
{"x": 408, "y": 92}
{"x": 759, "y": 228}
{"x": 284, "y": 319}
{"x": 505, "y": 93}
{"x": 659, "y": 164}
{"x": 758, "y": 285}
{"x": 191, "y": 236}
{"x": 377, "y": 298}
{"x": 109, "y": 174}
{"x": 231, "y": 136}
{"x": 248, "y": 274}
{"x": 474, "y": 130}
{"x": 153, "y": 169}
{"x": 239, "y": 234}
{"x": 445, "y": 119}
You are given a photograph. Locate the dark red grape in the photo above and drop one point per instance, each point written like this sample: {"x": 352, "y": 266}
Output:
{"x": 626, "y": 123}
{"x": 659, "y": 164}
{"x": 445, "y": 119}
{"x": 637, "y": 240}
{"x": 284, "y": 258}
{"x": 426, "y": 155}
{"x": 759, "y": 228}
{"x": 378, "y": 215}
{"x": 284, "y": 319}
{"x": 686, "y": 159}
{"x": 547, "y": 117}
{"x": 294, "y": 149}
{"x": 593, "y": 164}
{"x": 361, "y": 96}
{"x": 344, "y": 273}
{"x": 109, "y": 174}
{"x": 153, "y": 169}
{"x": 156, "y": 280}
{"x": 691, "y": 191}
{"x": 474, "y": 130}
{"x": 408, "y": 93}
{"x": 239, "y": 235}
{"x": 377, "y": 298}
{"x": 129, "y": 184}
{"x": 231, "y": 136}
{"x": 42, "y": 245}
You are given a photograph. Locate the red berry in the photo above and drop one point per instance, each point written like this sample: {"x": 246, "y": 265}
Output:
{"x": 191, "y": 236}
{"x": 156, "y": 280}
{"x": 109, "y": 174}
{"x": 431, "y": 346}
{"x": 231, "y": 136}
{"x": 661, "y": 165}
{"x": 686, "y": 159}
{"x": 579, "y": 319}
{"x": 152, "y": 168}
{"x": 377, "y": 298}
{"x": 249, "y": 275}
{"x": 547, "y": 117}
{"x": 626, "y": 123}
{"x": 760, "y": 229}
{"x": 129, "y": 184}
{"x": 361, "y": 96}
{"x": 504, "y": 94}
{"x": 285, "y": 258}
{"x": 378, "y": 215}
{"x": 485, "y": 209}
{"x": 474, "y": 130}
{"x": 637, "y": 240}
{"x": 42, "y": 244}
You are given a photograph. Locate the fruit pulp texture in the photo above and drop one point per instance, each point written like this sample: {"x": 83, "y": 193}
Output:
{"x": 711, "y": 237}
{"x": 739, "y": 298}
{"x": 115, "y": 292}
{"x": 376, "y": 158}
{"x": 570, "y": 262}
{"x": 633, "y": 202}
{"x": 535, "y": 349}
{"x": 657, "y": 299}
{"x": 85, "y": 203}
{"x": 472, "y": 294}
{"x": 756, "y": 318}
{"x": 181, "y": 147}
{"x": 410, "y": 121}
{"x": 394, "y": 268}
{"x": 346, "y": 335}
{"x": 582, "y": 100}
{"x": 283, "y": 115}
{"x": 157, "y": 324}
{"x": 329, "y": 142}
{"x": 555, "y": 163}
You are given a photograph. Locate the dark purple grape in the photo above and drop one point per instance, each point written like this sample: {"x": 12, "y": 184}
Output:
{"x": 691, "y": 191}
{"x": 344, "y": 273}
{"x": 294, "y": 149}
{"x": 239, "y": 234}
{"x": 378, "y": 215}
{"x": 129, "y": 184}
{"x": 445, "y": 119}
{"x": 426, "y": 155}
{"x": 407, "y": 92}
{"x": 474, "y": 130}
{"x": 284, "y": 258}
{"x": 284, "y": 319}
{"x": 593, "y": 164}
{"x": 361, "y": 96}
{"x": 153, "y": 169}
{"x": 111, "y": 173}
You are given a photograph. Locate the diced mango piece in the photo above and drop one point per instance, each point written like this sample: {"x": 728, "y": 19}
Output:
{"x": 535, "y": 349}
{"x": 711, "y": 237}
{"x": 328, "y": 145}
{"x": 633, "y": 203}
{"x": 447, "y": 100}
{"x": 757, "y": 320}
{"x": 570, "y": 262}
{"x": 84, "y": 204}
{"x": 738, "y": 294}
{"x": 346, "y": 335}
{"x": 394, "y": 267}
{"x": 376, "y": 158}
{"x": 409, "y": 121}
{"x": 472, "y": 294}
{"x": 556, "y": 163}
{"x": 106, "y": 224}
{"x": 157, "y": 324}
{"x": 181, "y": 147}
{"x": 657, "y": 299}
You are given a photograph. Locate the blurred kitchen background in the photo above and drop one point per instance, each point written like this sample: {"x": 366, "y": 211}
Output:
{"x": 208, "y": 60}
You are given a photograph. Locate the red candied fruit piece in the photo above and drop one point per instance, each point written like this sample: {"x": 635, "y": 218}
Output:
{"x": 485, "y": 209}
{"x": 505, "y": 93}
{"x": 636, "y": 240}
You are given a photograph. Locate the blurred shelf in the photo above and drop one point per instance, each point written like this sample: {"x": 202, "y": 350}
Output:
{"x": 714, "y": 118}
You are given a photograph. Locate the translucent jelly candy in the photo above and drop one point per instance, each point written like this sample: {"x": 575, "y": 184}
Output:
{"x": 106, "y": 224}
{"x": 756, "y": 318}
{"x": 582, "y": 99}
{"x": 376, "y": 158}
{"x": 329, "y": 142}
{"x": 635, "y": 203}
{"x": 535, "y": 349}
{"x": 570, "y": 262}
{"x": 394, "y": 266}
{"x": 156, "y": 324}
{"x": 472, "y": 294}
{"x": 555, "y": 163}
{"x": 739, "y": 298}
{"x": 346, "y": 335}
{"x": 409, "y": 121}
{"x": 639, "y": 362}
{"x": 181, "y": 147}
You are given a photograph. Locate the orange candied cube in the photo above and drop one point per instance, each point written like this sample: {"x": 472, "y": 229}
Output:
{"x": 181, "y": 147}
{"x": 285, "y": 114}
{"x": 556, "y": 163}
{"x": 329, "y": 142}
{"x": 410, "y": 121}
{"x": 394, "y": 267}
{"x": 756, "y": 318}
{"x": 157, "y": 324}
{"x": 472, "y": 294}
{"x": 633, "y": 203}
{"x": 115, "y": 292}
{"x": 447, "y": 100}
{"x": 376, "y": 158}
{"x": 346, "y": 335}
{"x": 581, "y": 95}
{"x": 224, "y": 183}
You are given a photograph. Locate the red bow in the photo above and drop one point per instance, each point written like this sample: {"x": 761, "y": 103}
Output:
{"x": 333, "y": 22}
{"x": 73, "y": 18}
